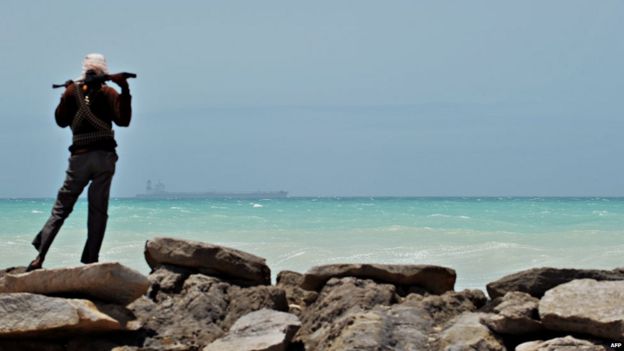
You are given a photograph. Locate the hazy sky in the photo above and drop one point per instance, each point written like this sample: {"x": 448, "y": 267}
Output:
{"x": 328, "y": 97}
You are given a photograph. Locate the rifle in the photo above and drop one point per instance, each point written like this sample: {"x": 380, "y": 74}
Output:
{"x": 97, "y": 79}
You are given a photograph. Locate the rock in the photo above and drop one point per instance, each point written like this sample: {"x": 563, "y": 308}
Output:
{"x": 30, "y": 315}
{"x": 514, "y": 314}
{"x": 111, "y": 282}
{"x": 354, "y": 331}
{"x": 31, "y": 345}
{"x": 263, "y": 330}
{"x": 12, "y": 270}
{"x": 434, "y": 279}
{"x": 396, "y": 327}
{"x": 467, "y": 333}
{"x": 442, "y": 308}
{"x": 246, "y": 300}
{"x": 167, "y": 279}
{"x": 476, "y": 296}
{"x": 585, "y": 306}
{"x": 229, "y": 264}
{"x": 537, "y": 281}
{"x": 407, "y": 327}
{"x": 339, "y": 297}
{"x": 289, "y": 278}
{"x": 99, "y": 343}
{"x": 202, "y": 311}
{"x": 189, "y": 320}
{"x": 412, "y": 324}
{"x": 298, "y": 298}
{"x": 172, "y": 346}
{"x": 567, "y": 343}
{"x": 121, "y": 314}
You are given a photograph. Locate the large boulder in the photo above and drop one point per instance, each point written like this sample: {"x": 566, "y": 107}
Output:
{"x": 188, "y": 320}
{"x": 449, "y": 305}
{"x": 585, "y": 306}
{"x": 245, "y": 300}
{"x": 298, "y": 298}
{"x": 31, "y": 315}
{"x": 434, "y": 279}
{"x": 110, "y": 282}
{"x": 413, "y": 324}
{"x": 396, "y": 327}
{"x": 289, "y": 278}
{"x": 166, "y": 280}
{"x": 567, "y": 343}
{"x": 339, "y": 297}
{"x": 514, "y": 314}
{"x": 537, "y": 281}
{"x": 201, "y": 311}
{"x": 12, "y": 270}
{"x": 31, "y": 345}
{"x": 226, "y": 263}
{"x": 263, "y": 330}
{"x": 357, "y": 314}
{"x": 466, "y": 332}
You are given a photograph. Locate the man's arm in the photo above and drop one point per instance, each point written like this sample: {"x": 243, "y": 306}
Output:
{"x": 121, "y": 103}
{"x": 66, "y": 108}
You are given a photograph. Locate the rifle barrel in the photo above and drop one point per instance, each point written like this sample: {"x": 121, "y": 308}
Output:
{"x": 104, "y": 78}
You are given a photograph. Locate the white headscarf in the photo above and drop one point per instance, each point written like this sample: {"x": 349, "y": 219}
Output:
{"x": 96, "y": 62}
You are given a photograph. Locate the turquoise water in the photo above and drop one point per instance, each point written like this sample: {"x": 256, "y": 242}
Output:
{"x": 481, "y": 238}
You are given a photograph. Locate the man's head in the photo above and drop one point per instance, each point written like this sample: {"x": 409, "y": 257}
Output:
{"x": 94, "y": 64}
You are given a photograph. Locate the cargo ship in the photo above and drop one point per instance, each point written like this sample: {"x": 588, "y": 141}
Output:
{"x": 158, "y": 191}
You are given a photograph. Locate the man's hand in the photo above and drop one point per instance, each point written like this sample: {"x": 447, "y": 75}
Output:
{"x": 70, "y": 85}
{"x": 120, "y": 80}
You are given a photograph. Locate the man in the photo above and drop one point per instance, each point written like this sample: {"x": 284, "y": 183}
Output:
{"x": 89, "y": 107}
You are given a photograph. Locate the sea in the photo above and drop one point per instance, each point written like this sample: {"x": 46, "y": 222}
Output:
{"x": 483, "y": 239}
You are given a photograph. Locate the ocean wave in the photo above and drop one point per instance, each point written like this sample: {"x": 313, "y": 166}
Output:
{"x": 487, "y": 246}
{"x": 411, "y": 254}
{"x": 180, "y": 209}
{"x": 256, "y": 206}
{"x": 461, "y": 251}
{"x": 219, "y": 215}
{"x": 290, "y": 256}
{"x": 355, "y": 257}
{"x": 36, "y": 211}
{"x": 442, "y": 215}
{"x": 401, "y": 228}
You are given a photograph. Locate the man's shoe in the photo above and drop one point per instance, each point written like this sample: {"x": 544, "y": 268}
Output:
{"x": 37, "y": 263}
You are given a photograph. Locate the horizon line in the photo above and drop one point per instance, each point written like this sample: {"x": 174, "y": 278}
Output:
{"x": 350, "y": 197}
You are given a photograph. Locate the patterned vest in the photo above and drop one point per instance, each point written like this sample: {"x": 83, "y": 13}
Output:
{"x": 84, "y": 114}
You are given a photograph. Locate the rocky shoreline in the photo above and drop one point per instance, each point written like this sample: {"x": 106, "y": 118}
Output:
{"x": 206, "y": 297}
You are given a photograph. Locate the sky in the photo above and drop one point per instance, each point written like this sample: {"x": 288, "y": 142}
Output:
{"x": 328, "y": 98}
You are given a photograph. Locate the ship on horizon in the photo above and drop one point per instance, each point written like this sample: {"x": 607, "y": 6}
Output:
{"x": 158, "y": 192}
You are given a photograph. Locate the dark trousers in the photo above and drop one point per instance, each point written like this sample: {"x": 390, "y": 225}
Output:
{"x": 97, "y": 167}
